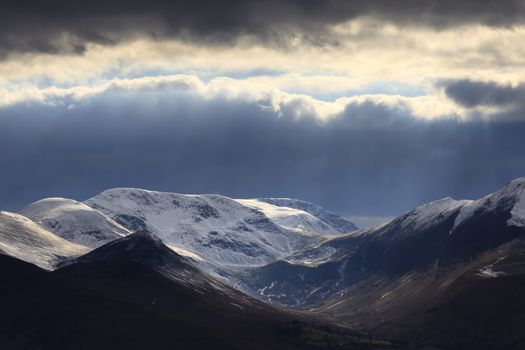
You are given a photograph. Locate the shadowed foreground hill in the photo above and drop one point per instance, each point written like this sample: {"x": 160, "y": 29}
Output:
{"x": 135, "y": 293}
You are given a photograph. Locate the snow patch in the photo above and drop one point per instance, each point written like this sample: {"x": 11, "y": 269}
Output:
{"x": 184, "y": 252}
{"x": 488, "y": 272}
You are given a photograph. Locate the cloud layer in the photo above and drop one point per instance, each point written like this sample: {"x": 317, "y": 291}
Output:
{"x": 64, "y": 26}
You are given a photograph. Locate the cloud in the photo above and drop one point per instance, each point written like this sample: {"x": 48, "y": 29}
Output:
{"x": 487, "y": 99}
{"x": 470, "y": 93}
{"x": 61, "y": 26}
{"x": 250, "y": 89}
{"x": 388, "y": 60}
{"x": 370, "y": 158}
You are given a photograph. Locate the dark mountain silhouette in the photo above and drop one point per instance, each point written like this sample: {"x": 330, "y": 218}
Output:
{"x": 135, "y": 293}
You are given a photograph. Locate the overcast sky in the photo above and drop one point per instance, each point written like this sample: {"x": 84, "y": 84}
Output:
{"x": 368, "y": 108}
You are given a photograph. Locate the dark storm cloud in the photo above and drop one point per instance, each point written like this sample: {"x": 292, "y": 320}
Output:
{"x": 369, "y": 160}
{"x": 40, "y": 25}
{"x": 470, "y": 94}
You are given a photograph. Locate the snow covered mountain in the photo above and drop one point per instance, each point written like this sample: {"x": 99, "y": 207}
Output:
{"x": 74, "y": 221}
{"x": 218, "y": 232}
{"x": 218, "y": 229}
{"x": 23, "y": 239}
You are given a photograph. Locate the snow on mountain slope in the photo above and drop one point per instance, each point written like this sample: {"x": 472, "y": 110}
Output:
{"x": 216, "y": 228}
{"x": 23, "y": 239}
{"x": 518, "y": 211}
{"x": 291, "y": 218}
{"x": 510, "y": 197}
{"x": 333, "y": 222}
{"x": 424, "y": 216}
{"x": 74, "y": 221}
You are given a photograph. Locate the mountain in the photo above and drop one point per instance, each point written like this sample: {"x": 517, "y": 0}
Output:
{"x": 419, "y": 276}
{"x": 300, "y": 216}
{"x": 23, "y": 239}
{"x": 120, "y": 296}
{"x": 219, "y": 230}
{"x": 74, "y": 221}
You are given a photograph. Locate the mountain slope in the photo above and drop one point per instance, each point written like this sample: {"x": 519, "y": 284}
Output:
{"x": 120, "y": 297}
{"x": 300, "y": 216}
{"x": 25, "y": 240}
{"x": 147, "y": 249}
{"x": 510, "y": 198}
{"x": 74, "y": 221}
{"x": 475, "y": 305}
{"x": 334, "y": 221}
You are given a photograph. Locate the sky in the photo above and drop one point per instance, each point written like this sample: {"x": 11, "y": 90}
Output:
{"x": 368, "y": 108}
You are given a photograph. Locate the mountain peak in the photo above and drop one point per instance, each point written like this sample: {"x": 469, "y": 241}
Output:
{"x": 139, "y": 240}
{"x": 144, "y": 235}
{"x": 142, "y": 246}
{"x": 146, "y": 249}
